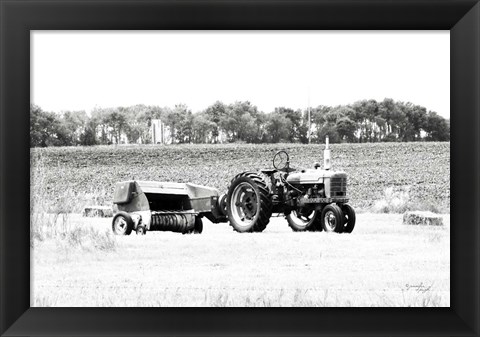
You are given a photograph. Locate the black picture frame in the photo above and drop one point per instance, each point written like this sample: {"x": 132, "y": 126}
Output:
{"x": 18, "y": 17}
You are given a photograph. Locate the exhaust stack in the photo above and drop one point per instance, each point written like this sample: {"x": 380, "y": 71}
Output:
{"x": 326, "y": 156}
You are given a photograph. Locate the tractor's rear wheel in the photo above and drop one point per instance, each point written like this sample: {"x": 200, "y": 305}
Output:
{"x": 349, "y": 218}
{"x": 301, "y": 221}
{"x": 122, "y": 223}
{"x": 332, "y": 218}
{"x": 249, "y": 206}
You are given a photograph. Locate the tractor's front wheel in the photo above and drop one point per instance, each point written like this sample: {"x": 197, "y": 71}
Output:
{"x": 301, "y": 221}
{"x": 349, "y": 216}
{"x": 249, "y": 206}
{"x": 332, "y": 219}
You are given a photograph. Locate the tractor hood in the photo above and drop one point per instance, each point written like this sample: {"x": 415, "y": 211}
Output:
{"x": 314, "y": 176}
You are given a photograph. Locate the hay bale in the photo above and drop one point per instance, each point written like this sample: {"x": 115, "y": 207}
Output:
{"x": 98, "y": 211}
{"x": 422, "y": 219}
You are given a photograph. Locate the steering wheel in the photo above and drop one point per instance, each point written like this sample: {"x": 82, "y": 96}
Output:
{"x": 281, "y": 160}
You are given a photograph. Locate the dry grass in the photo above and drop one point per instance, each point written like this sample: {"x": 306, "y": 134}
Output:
{"x": 53, "y": 221}
{"x": 382, "y": 263}
{"x": 399, "y": 200}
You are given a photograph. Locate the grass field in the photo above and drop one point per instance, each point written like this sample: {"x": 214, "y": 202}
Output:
{"x": 382, "y": 263}
{"x": 78, "y": 262}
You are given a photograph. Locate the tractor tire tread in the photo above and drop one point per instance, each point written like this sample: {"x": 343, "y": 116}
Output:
{"x": 265, "y": 211}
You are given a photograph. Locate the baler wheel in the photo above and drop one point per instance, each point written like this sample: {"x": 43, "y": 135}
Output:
{"x": 332, "y": 219}
{"x": 249, "y": 206}
{"x": 141, "y": 230}
{"x": 198, "y": 228}
{"x": 299, "y": 222}
{"x": 122, "y": 223}
{"x": 349, "y": 216}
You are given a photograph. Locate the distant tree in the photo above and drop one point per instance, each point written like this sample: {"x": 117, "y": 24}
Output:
{"x": 239, "y": 122}
{"x": 73, "y": 125}
{"x": 100, "y": 122}
{"x": 216, "y": 113}
{"x": 298, "y": 130}
{"x": 419, "y": 120}
{"x": 88, "y": 137}
{"x": 228, "y": 125}
{"x": 379, "y": 128}
{"x": 39, "y": 126}
{"x": 117, "y": 120}
{"x": 249, "y": 131}
{"x": 278, "y": 127}
{"x": 136, "y": 122}
{"x": 415, "y": 123}
{"x": 330, "y": 130}
{"x": 203, "y": 128}
{"x": 362, "y": 121}
{"x": 319, "y": 114}
{"x": 346, "y": 128}
{"x": 261, "y": 127}
{"x": 185, "y": 127}
{"x": 176, "y": 120}
{"x": 389, "y": 112}
{"x": 45, "y": 128}
{"x": 437, "y": 127}
{"x": 365, "y": 113}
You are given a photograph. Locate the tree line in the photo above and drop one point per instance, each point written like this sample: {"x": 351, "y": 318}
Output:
{"x": 362, "y": 121}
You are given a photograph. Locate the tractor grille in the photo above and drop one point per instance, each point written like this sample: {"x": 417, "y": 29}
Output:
{"x": 338, "y": 186}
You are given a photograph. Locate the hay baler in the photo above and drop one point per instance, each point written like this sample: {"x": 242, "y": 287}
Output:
{"x": 164, "y": 206}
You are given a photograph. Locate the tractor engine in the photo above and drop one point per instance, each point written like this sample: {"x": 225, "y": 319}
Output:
{"x": 317, "y": 183}
{"x": 320, "y": 184}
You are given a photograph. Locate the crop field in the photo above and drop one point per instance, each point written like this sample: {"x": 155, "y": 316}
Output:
{"x": 88, "y": 174}
{"x": 78, "y": 262}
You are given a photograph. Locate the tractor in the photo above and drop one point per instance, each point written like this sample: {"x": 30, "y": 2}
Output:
{"x": 311, "y": 200}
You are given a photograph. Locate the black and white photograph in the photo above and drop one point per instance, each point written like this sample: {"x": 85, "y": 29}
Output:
{"x": 240, "y": 168}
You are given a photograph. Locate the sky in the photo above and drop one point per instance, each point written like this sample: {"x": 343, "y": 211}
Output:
{"x": 78, "y": 70}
